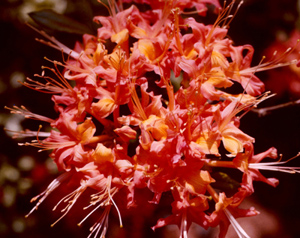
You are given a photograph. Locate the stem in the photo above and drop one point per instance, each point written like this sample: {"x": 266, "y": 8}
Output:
{"x": 100, "y": 138}
{"x": 224, "y": 164}
{"x": 264, "y": 111}
{"x": 213, "y": 193}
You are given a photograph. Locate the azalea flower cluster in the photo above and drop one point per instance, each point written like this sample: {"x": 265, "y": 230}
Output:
{"x": 145, "y": 104}
{"x": 287, "y": 77}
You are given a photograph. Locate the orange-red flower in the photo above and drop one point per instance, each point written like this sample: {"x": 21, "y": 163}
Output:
{"x": 144, "y": 104}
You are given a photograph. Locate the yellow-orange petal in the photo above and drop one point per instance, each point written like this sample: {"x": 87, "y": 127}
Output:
{"x": 103, "y": 107}
{"x": 146, "y": 47}
{"x": 232, "y": 145}
{"x": 120, "y": 37}
{"x": 99, "y": 53}
{"x": 159, "y": 131}
{"x": 126, "y": 133}
{"x": 103, "y": 154}
{"x": 218, "y": 59}
{"x": 218, "y": 79}
{"x": 145, "y": 138}
{"x": 86, "y": 131}
{"x": 196, "y": 181}
{"x": 209, "y": 143}
{"x": 156, "y": 126}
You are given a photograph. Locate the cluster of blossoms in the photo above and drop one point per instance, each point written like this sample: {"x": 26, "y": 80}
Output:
{"x": 145, "y": 104}
{"x": 285, "y": 80}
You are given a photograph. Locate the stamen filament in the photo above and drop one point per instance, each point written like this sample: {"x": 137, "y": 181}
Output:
{"x": 51, "y": 187}
{"x": 237, "y": 227}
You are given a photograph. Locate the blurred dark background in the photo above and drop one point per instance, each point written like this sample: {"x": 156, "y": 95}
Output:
{"x": 24, "y": 173}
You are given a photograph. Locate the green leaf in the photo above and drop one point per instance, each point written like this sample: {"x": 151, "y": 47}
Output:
{"x": 54, "y": 21}
{"x": 225, "y": 183}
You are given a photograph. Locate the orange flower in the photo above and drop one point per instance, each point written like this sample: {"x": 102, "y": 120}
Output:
{"x": 123, "y": 125}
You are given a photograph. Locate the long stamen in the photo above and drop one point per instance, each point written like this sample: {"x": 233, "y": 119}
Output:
{"x": 74, "y": 196}
{"x": 261, "y": 98}
{"x": 231, "y": 17}
{"x": 85, "y": 69}
{"x": 247, "y": 84}
{"x": 101, "y": 223}
{"x": 177, "y": 30}
{"x": 52, "y": 186}
{"x": 111, "y": 199}
{"x": 274, "y": 62}
{"x": 136, "y": 102}
{"x": 183, "y": 226}
{"x": 48, "y": 145}
{"x": 237, "y": 227}
{"x": 240, "y": 107}
{"x": 165, "y": 14}
{"x": 100, "y": 205}
{"x": 273, "y": 166}
{"x": 27, "y": 114}
{"x": 104, "y": 198}
{"x": 170, "y": 91}
{"x": 54, "y": 43}
{"x": 27, "y": 133}
{"x": 222, "y": 17}
{"x": 59, "y": 75}
{"x": 48, "y": 87}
